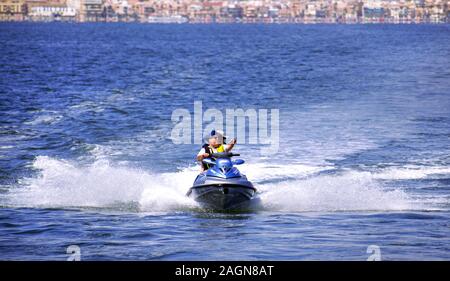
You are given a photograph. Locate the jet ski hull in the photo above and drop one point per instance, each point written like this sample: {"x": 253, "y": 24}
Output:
{"x": 222, "y": 196}
{"x": 222, "y": 193}
{"x": 222, "y": 187}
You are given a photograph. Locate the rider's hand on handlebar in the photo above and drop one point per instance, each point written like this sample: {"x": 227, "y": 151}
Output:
{"x": 205, "y": 155}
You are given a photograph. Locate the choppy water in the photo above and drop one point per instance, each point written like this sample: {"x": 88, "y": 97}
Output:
{"x": 86, "y": 157}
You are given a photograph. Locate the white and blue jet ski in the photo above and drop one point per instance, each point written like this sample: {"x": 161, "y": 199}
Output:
{"x": 222, "y": 186}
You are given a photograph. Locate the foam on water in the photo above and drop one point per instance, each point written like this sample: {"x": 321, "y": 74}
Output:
{"x": 66, "y": 184}
{"x": 46, "y": 118}
{"x": 61, "y": 183}
{"x": 349, "y": 191}
{"x": 412, "y": 172}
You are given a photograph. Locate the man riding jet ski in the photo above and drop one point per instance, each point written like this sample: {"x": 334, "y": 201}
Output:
{"x": 216, "y": 144}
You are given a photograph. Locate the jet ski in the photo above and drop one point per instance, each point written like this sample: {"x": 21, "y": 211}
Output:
{"x": 222, "y": 186}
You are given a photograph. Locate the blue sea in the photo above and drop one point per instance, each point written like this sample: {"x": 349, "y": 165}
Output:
{"x": 87, "y": 158}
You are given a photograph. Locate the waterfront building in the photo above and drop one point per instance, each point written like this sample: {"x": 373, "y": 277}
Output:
{"x": 92, "y": 11}
{"x": 12, "y": 10}
{"x": 52, "y": 13}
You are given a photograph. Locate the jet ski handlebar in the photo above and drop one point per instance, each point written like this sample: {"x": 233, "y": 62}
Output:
{"x": 224, "y": 155}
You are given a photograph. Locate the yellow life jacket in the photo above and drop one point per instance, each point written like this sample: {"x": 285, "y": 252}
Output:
{"x": 221, "y": 148}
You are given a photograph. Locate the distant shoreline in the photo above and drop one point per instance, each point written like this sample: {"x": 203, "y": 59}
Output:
{"x": 230, "y": 23}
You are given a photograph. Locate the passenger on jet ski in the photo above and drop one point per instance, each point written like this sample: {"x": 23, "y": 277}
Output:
{"x": 216, "y": 143}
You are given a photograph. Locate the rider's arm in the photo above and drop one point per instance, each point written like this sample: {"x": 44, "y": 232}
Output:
{"x": 202, "y": 155}
{"x": 230, "y": 146}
